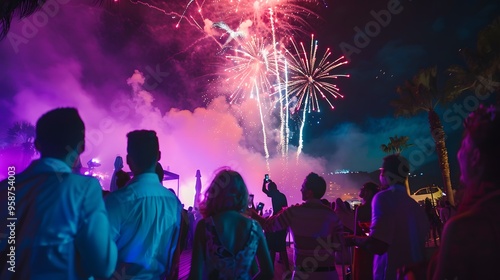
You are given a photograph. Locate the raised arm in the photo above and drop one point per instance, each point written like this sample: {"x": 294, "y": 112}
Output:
{"x": 264, "y": 187}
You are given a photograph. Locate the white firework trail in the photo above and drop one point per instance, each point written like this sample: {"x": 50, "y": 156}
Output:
{"x": 301, "y": 133}
{"x": 266, "y": 150}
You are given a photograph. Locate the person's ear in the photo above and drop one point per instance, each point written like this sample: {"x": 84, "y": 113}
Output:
{"x": 309, "y": 193}
{"x": 37, "y": 145}
{"x": 81, "y": 147}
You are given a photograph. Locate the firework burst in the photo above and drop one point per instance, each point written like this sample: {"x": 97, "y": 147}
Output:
{"x": 312, "y": 78}
{"x": 309, "y": 81}
{"x": 252, "y": 64}
{"x": 289, "y": 15}
{"x": 250, "y": 36}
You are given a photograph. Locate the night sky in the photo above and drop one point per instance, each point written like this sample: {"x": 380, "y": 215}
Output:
{"x": 79, "y": 54}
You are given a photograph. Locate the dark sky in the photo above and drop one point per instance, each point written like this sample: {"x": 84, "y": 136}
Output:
{"x": 422, "y": 34}
{"x": 82, "y": 55}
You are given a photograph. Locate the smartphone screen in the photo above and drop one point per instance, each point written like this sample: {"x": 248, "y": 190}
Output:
{"x": 260, "y": 206}
{"x": 250, "y": 201}
{"x": 266, "y": 177}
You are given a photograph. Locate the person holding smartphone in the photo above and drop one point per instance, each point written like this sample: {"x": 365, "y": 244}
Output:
{"x": 276, "y": 241}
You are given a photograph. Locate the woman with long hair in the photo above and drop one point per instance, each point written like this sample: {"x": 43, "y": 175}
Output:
{"x": 226, "y": 242}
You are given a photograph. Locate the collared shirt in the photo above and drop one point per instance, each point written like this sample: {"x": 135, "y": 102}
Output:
{"x": 62, "y": 230}
{"x": 145, "y": 220}
{"x": 401, "y": 222}
{"x": 315, "y": 228}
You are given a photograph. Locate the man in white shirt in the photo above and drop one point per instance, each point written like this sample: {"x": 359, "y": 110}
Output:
{"x": 399, "y": 225}
{"x": 60, "y": 226}
{"x": 145, "y": 216}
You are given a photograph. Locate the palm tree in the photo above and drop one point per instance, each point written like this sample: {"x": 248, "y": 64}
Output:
{"x": 482, "y": 66}
{"x": 22, "y": 135}
{"x": 388, "y": 149}
{"x": 421, "y": 94}
{"x": 23, "y": 8}
{"x": 396, "y": 145}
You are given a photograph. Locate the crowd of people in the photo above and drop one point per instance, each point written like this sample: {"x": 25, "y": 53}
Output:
{"x": 60, "y": 226}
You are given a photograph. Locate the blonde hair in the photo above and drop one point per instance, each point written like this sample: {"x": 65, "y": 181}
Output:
{"x": 227, "y": 191}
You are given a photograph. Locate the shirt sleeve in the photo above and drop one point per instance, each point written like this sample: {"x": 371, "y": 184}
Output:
{"x": 97, "y": 250}
{"x": 112, "y": 185}
{"x": 382, "y": 225}
{"x": 280, "y": 221}
{"x": 114, "y": 216}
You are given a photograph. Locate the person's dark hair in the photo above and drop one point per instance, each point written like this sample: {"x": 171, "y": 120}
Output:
{"x": 396, "y": 168}
{"x": 325, "y": 202}
{"x": 143, "y": 148}
{"x": 272, "y": 186}
{"x": 227, "y": 191}
{"x": 372, "y": 187}
{"x": 60, "y": 132}
{"x": 159, "y": 171}
{"x": 483, "y": 128}
{"x": 122, "y": 178}
{"x": 316, "y": 184}
{"x": 347, "y": 205}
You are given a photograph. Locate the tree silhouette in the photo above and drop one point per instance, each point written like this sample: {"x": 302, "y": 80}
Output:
{"x": 22, "y": 135}
{"x": 422, "y": 94}
{"x": 396, "y": 145}
{"x": 481, "y": 73}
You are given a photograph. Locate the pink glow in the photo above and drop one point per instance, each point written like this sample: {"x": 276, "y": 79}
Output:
{"x": 68, "y": 67}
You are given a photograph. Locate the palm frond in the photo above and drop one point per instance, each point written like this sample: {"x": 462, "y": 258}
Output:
{"x": 21, "y": 8}
{"x": 9, "y": 8}
{"x": 396, "y": 145}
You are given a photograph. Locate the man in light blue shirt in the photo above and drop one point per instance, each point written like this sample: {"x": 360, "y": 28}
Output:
{"x": 399, "y": 226}
{"x": 145, "y": 216}
{"x": 59, "y": 225}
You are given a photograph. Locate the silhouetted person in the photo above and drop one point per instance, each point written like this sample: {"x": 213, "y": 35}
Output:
{"x": 325, "y": 202}
{"x": 276, "y": 241}
{"x": 363, "y": 260}
{"x": 363, "y": 214}
{"x": 118, "y": 171}
{"x": 345, "y": 214}
{"x": 62, "y": 230}
{"x": 470, "y": 243}
{"x": 435, "y": 222}
{"x": 446, "y": 211}
{"x": 122, "y": 178}
{"x": 145, "y": 216}
{"x": 191, "y": 222}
